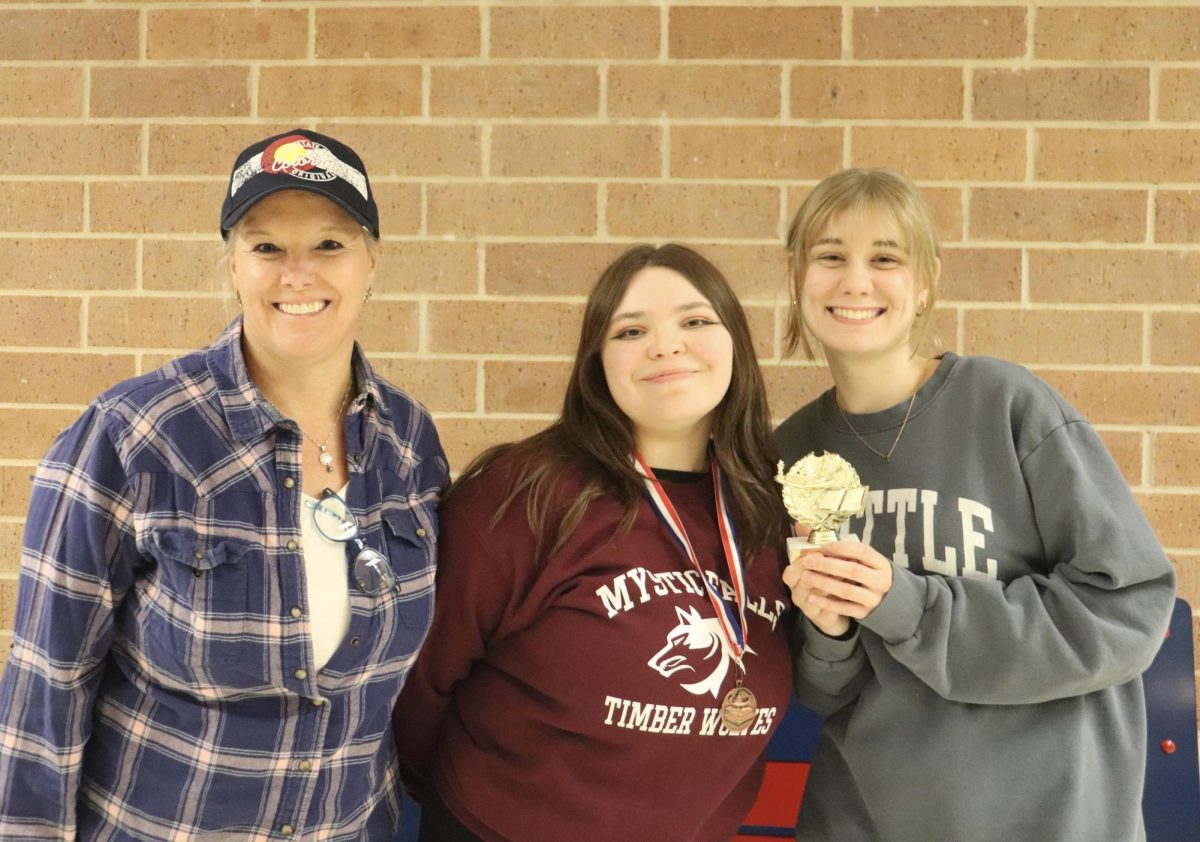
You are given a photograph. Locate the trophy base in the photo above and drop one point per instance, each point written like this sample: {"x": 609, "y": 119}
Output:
{"x": 797, "y": 547}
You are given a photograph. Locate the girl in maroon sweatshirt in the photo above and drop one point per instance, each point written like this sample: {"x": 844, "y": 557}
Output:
{"x": 608, "y": 655}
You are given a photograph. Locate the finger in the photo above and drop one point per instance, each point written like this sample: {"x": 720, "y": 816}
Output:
{"x": 800, "y": 595}
{"x": 840, "y": 568}
{"x": 803, "y": 598}
{"x": 843, "y": 590}
{"x": 828, "y": 621}
{"x": 792, "y": 574}
{"x": 877, "y": 577}
{"x": 811, "y": 591}
{"x": 831, "y": 604}
{"x": 863, "y": 591}
{"x": 854, "y": 551}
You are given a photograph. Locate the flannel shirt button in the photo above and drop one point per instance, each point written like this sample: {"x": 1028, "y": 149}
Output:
{"x": 287, "y": 830}
{"x": 301, "y": 674}
{"x": 288, "y": 482}
{"x": 197, "y": 573}
{"x": 304, "y": 766}
{"x": 292, "y": 545}
{"x": 197, "y": 554}
{"x": 420, "y": 532}
{"x": 296, "y": 612}
{"x": 317, "y": 702}
{"x": 354, "y": 641}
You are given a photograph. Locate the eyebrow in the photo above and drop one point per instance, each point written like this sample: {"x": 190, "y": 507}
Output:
{"x": 328, "y": 229}
{"x": 834, "y": 241}
{"x": 637, "y": 314}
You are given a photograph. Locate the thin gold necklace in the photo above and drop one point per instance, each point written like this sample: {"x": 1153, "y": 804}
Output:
{"x": 326, "y": 458}
{"x": 886, "y": 457}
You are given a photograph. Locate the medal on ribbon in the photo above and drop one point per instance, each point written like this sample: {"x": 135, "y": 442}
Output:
{"x": 739, "y": 706}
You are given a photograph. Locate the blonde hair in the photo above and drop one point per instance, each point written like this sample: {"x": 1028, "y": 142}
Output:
{"x": 861, "y": 190}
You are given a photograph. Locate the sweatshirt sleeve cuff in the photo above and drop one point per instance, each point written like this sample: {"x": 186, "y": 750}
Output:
{"x": 897, "y": 617}
{"x": 821, "y": 646}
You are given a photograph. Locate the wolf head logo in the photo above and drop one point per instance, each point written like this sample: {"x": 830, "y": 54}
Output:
{"x": 698, "y": 646}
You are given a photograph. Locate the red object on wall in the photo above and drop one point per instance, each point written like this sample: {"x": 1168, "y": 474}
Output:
{"x": 779, "y": 796}
{"x": 778, "y": 801}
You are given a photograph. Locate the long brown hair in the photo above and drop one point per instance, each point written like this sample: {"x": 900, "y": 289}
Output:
{"x": 593, "y": 440}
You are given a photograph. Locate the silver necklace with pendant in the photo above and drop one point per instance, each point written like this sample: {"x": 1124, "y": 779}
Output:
{"x": 326, "y": 458}
{"x": 887, "y": 457}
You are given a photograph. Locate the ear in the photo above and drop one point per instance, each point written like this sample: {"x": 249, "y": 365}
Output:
{"x": 231, "y": 267}
{"x": 927, "y": 287}
{"x": 374, "y": 249}
{"x": 689, "y": 617}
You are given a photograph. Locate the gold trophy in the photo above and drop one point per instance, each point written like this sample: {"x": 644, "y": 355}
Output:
{"x": 820, "y": 492}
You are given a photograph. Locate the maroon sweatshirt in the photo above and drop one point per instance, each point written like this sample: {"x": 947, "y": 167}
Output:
{"x": 580, "y": 699}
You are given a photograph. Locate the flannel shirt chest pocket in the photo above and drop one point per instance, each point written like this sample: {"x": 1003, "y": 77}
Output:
{"x": 200, "y": 602}
{"x": 410, "y": 536}
{"x": 205, "y": 571}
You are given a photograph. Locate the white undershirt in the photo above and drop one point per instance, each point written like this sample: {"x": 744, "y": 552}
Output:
{"x": 327, "y": 578}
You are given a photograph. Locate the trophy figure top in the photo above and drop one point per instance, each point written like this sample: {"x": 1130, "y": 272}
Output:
{"x": 821, "y": 492}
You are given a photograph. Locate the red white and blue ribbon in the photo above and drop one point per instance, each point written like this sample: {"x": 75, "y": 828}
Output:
{"x": 732, "y": 624}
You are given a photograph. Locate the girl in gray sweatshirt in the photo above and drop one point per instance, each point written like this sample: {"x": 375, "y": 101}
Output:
{"x": 976, "y": 636}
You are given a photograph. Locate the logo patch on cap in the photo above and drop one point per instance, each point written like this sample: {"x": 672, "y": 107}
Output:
{"x": 299, "y": 157}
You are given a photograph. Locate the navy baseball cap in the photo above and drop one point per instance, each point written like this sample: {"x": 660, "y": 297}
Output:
{"x": 300, "y": 160}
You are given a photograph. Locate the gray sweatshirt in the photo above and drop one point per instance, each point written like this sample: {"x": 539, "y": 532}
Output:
{"x": 994, "y": 694}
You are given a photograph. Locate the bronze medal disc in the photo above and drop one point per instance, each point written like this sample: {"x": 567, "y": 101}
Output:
{"x": 739, "y": 709}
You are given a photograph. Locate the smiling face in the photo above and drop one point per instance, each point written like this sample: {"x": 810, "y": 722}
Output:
{"x": 860, "y": 294}
{"x": 667, "y": 357}
{"x": 301, "y": 267}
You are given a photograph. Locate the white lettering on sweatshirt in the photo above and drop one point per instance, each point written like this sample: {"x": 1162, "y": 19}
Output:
{"x": 653, "y": 718}
{"x": 618, "y": 597}
{"x": 975, "y": 520}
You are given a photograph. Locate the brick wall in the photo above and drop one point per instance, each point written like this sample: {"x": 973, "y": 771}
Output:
{"x": 517, "y": 147}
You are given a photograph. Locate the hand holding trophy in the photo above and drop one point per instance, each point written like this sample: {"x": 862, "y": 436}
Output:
{"x": 822, "y": 492}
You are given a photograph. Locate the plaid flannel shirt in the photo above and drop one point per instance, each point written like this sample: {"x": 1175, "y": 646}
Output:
{"x": 160, "y": 684}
